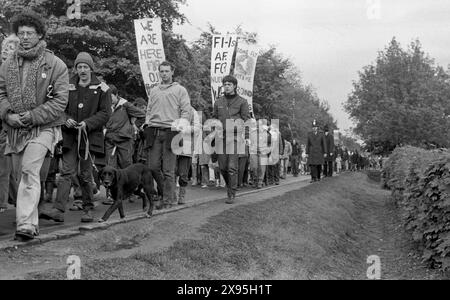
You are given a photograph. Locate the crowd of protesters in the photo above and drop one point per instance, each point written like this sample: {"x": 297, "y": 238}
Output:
{"x": 72, "y": 123}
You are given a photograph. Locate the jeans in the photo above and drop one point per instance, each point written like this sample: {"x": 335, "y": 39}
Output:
{"x": 123, "y": 156}
{"x": 328, "y": 169}
{"x": 295, "y": 163}
{"x": 274, "y": 173}
{"x": 205, "y": 174}
{"x": 195, "y": 168}
{"x": 183, "y": 165}
{"x": 315, "y": 172}
{"x": 8, "y": 184}
{"x": 162, "y": 161}
{"x": 228, "y": 164}
{"x": 283, "y": 167}
{"x": 70, "y": 165}
{"x": 242, "y": 170}
{"x": 27, "y": 166}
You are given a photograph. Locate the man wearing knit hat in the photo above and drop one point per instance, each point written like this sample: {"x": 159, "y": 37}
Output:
{"x": 34, "y": 86}
{"x": 230, "y": 107}
{"x": 87, "y": 112}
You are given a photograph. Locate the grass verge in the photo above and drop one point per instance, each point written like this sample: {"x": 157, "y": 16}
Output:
{"x": 323, "y": 231}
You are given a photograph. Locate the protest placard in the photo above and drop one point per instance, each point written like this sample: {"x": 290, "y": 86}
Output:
{"x": 150, "y": 50}
{"x": 221, "y": 57}
{"x": 244, "y": 69}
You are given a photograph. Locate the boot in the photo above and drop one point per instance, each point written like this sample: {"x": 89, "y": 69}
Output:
{"x": 49, "y": 187}
{"x": 53, "y": 214}
{"x": 231, "y": 196}
{"x": 182, "y": 195}
{"x": 87, "y": 217}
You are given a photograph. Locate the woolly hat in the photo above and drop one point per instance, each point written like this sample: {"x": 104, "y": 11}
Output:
{"x": 230, "y": 78}
{"x": 84, "y": 57}
{"x": 140, "y": 101}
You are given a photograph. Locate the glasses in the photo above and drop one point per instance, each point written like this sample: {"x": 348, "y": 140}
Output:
{"x": 26, "y": 33}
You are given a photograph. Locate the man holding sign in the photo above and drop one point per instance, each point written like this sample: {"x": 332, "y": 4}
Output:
{"x": 230, "y": 107}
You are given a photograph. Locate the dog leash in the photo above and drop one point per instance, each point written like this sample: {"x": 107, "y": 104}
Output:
{"x": 82, "y": 133}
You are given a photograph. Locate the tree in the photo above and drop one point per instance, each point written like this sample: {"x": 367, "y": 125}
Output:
{"x": 401, "y": 99}
{"x": 106, "y": 31}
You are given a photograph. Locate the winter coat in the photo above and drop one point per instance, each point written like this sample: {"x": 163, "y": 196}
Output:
{"x": 119, "y": 128}
{"x": 49, "y": 111}
{"x": 316, "y": 148}
{"x": 94, "y": 109}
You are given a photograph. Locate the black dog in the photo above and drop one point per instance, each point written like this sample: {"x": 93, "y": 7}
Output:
{"x": 126, "y": 182}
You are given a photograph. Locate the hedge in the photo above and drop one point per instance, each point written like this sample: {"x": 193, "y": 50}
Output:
{"x": 420, "y": 183}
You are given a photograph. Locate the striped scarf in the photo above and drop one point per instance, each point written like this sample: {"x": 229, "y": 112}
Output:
{"x": 24, "y": 99}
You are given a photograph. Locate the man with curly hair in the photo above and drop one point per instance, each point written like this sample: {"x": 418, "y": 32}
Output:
{"x": 34, "y": 89}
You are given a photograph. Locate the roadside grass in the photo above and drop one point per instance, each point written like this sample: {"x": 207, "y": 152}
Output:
{"x": 323, "y": 231}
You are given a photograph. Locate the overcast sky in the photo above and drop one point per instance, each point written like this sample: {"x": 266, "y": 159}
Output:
{"x": 328, "y": 40}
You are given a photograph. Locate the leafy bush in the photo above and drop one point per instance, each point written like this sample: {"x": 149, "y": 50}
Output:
{"x": 420, "y": 185}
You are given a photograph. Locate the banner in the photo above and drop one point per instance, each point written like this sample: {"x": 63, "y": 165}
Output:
{"x": 221, "y": 57}
{"x": 150, "y": 50}
{"x": 244, "y": 70}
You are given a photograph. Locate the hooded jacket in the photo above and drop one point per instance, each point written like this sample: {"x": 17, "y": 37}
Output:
{"x": 119, "y": 127}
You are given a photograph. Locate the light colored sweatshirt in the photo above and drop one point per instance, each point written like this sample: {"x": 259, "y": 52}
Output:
{"x": 167, "y": 103}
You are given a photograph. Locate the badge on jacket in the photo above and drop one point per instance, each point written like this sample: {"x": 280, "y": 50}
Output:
{"x": 80, "y": 106}
{"x": 44, "y": 75}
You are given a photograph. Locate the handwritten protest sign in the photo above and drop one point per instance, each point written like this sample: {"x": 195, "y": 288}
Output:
{"x": 244, "y": 70}
{"x": 221, "y": 57}
{"x": 150, "y": 50}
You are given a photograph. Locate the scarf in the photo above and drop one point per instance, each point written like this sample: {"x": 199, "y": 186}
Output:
{"x": 24, "y": 99}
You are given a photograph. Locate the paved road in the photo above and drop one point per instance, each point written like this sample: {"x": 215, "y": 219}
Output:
{"x": 131, "y": 237}
{"x": 72, "y": 219}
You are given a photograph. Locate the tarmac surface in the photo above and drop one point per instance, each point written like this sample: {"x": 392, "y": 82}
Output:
{"x": 72, "y": 226}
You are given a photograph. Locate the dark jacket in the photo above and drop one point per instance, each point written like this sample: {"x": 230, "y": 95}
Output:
{"x": 316, "y": 148}
{"x": 234, "y": 108}
{"x": 329, "y": 140}
{"x": 94, "y": 109}
{"x": 296, "y": 149}
{"x": 119, "y": 128}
